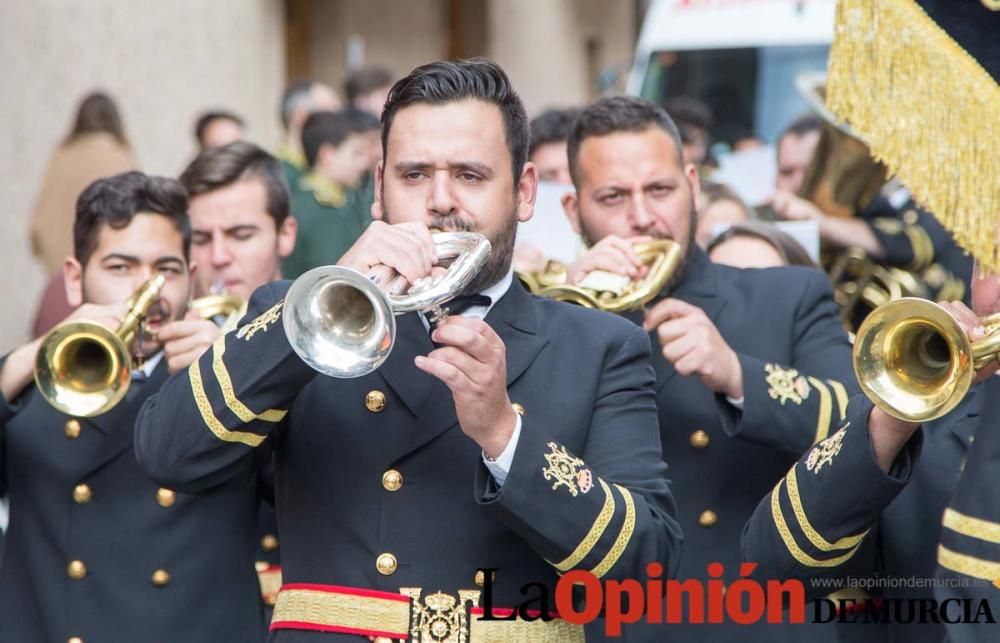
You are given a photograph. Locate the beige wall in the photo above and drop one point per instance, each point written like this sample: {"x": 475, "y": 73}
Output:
{"x": 399, "y": 35}
{"x": 163, "y": 67}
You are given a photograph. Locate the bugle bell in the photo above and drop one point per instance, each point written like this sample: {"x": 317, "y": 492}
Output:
{"x": 82, "y": 368}
{"x": 342, "y": 323}
{"x": 914, "y": 360}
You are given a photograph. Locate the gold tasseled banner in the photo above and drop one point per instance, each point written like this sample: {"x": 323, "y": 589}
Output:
{"x": 928, "y": 110}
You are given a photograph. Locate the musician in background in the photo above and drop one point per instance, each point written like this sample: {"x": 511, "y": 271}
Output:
{"x": 753, "y": 366}
{"x": 367, "y": 88}
{"x": 241, "y": 229}
{"x": 95, "y": 550}
{"x": 463, "y": 425}
{"x": 217, "y": 128}
{"x": 301, "y": 99}
{"x": 796, "y": 146}
{"x": 844, "y": 190}
{"x": 866, "y": 490}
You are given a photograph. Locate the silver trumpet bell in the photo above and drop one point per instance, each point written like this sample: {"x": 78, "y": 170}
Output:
{"x": 343, "y": 323}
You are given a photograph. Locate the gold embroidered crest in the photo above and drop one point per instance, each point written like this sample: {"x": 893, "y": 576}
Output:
{"x": 262, "y": 323}
{"x": 440, "y": 617}
{"x": 824, "y": 452}
{"x": 786, "y": 385}
{"x": 565, "y": 469}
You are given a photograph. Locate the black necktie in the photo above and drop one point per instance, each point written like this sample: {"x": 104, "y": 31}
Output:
{"x": 139, "y": 378}
{"x": 457, "y": 306}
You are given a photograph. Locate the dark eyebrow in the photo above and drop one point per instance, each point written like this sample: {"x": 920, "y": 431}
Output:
{"x": 410, "y": 166}
{"x": 241, "y": 227}
{"x": 169, "y": 260}
{"x": 120, "y": 257}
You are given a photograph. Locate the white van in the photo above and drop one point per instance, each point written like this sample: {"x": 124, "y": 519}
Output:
{"x": 740, "y": 57}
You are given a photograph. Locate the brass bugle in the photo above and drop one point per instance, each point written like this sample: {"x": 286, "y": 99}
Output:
{"x": 915, "y": 361}
{"x": 662, "y": 256}
{"x": 84, "y": 369}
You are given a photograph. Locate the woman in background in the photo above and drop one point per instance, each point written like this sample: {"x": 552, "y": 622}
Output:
{"x": 757, "y": 245}
{"x": 96, "y": 147}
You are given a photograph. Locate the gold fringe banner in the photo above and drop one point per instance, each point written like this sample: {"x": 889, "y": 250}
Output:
{"x": 928, "y": 110}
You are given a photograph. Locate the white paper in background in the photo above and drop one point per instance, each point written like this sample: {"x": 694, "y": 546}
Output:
{"x": 549, "y": 230}
{"x": 750, "y": 173}
{"x": 805, "y": 232}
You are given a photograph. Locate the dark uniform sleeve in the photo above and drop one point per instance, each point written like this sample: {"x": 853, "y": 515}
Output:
{"x": 818, "y": 517}
{"x": 913, "y": 239}
{"x": 792, "y": 406}
{"x": 198, "y": 430}
{"x": 968, "y": 555}
{"x": 8, "y": 409}
{"x": 607, "y": 509}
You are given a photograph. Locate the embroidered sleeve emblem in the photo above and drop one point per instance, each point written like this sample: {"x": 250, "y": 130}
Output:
{"x": 786, "y": 384}
{"x": 262, "y": 323}
{"x": 567, "y": 471}
{"x": 824, "y": 452}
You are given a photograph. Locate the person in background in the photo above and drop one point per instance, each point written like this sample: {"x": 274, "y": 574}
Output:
{"x": 217, "y": 128}
{"x": 331, "y": 211}
{"x": 367, "y": 88}
{"x": 757, "y": 245}
{"x": 547, "y": 150}
{"x": 369, "y": 127}
{"x": 95, "y": 147}
{"x": 549, "y": 132}
{"x": 720, "y": 206}
{"x": 796, "y": 145}
{"x": 694, "y": 121}
{"x": 301, "y": 99}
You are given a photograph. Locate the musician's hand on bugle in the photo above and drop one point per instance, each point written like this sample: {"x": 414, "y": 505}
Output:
{"x": 612, "y": 254}
{"x": 473, "y": 363}
{"x": 794, "y": 208}
{"x": 19, "y": 369}
{"x": 405, "y": 248}
{"x": 973, "y": 328}
{"x": 185, "y": 340}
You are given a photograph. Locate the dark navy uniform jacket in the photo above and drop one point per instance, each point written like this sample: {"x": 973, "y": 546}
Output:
{"x": 378, "y": 488}
{"x": 797, "y": 378}
{"x": 837, "y": 516}
{"x": 968, "y": 556}
{"x": 97, "y": 550}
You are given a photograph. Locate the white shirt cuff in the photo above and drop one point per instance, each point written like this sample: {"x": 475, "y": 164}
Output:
{"x": 500, "y": 467}
{"x": 737, "y": 402}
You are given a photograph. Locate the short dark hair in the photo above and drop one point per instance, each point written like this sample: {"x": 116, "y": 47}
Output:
{"x": 366, "y": 79}
{"x": 551, "y": 126}
{"x": 325, "y": 128}
{"x": 296, "y": 92}
{"x": 206, "y": 119}
{"x": 362, "y": 121}
{"x": 443, "y": 82}
{"x": 617, "y": 114}
{"x": 115, "y": 200}
{"x": 691, "y": 115}
{"x": 218, "y": 167}
{"x": 805, "y": 124}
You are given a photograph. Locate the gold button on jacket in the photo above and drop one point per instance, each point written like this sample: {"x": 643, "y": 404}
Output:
{"x": 72, "y": 429}
{"x": 392, "y": 480}
{"x": 161, "y": 577}
{"x": 76, "y": 569}
{"x": 708, "y": 518}
{"x": 699, "y": 439}
{"x": 386, "y": 564}
{"x": 269, "y": 542}
{"x": 165, "y": 497}
{"x": 82, "y": 494}
{"x": 375, "y": 401}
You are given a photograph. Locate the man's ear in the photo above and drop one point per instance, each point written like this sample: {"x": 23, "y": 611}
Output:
{"x": 287, "y": 234}
{"x": 571, "y": 208}
{"x": 73, "y": 281}
{"x": 527, "y": 190}
{"x": 691, "y": 172}
{"x": 377, "y": 213}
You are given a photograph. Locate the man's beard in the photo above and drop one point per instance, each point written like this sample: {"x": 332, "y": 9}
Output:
{"x": 678, "y": 276}
{"x": 501, "y": 253}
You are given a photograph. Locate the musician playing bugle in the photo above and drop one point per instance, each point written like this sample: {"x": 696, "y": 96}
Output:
{"x": 483, "y": 450}
{"x": 95, "y": 550}
{"x": 753, "y": 365}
